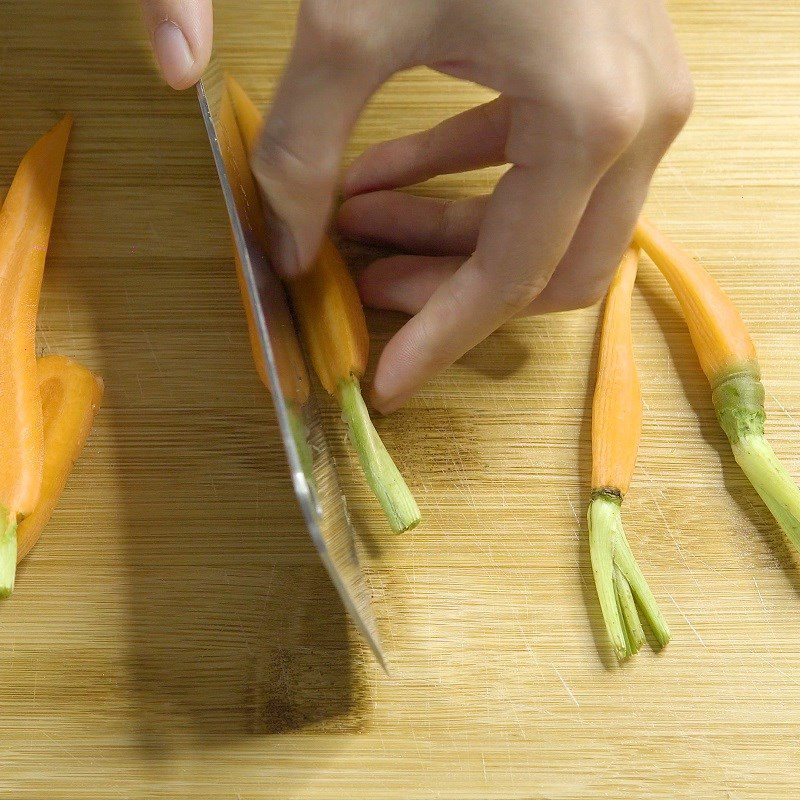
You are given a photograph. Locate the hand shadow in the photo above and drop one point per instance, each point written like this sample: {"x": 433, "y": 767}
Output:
{"x": 667, "y": 312}
{"x": 234, "y": 627}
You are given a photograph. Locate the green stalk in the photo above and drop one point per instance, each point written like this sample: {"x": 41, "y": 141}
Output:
{"x": 8, "y": 552}
{"x": 380, "y": 471}
{"x": 739, "y": 401}
{"x": 621, "y": 586}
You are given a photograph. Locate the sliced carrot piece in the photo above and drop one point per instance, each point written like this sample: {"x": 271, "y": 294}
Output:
{"x": 70, "y": 395}
{"x": 25, "y": 222}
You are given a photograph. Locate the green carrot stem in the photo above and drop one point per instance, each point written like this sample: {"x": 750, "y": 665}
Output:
{"x": 8, "y": 551}
{"x": 772, "y": 482}
{"x": 621, "y": 586}
{"x": 739, "y": 402}
{"x": 380, "y": 471}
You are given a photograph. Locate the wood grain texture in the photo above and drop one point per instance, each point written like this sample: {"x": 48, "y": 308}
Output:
{"x": 173, "y": 635}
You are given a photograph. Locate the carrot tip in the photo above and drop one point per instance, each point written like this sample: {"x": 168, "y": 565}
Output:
{"x": 8, "y": 553}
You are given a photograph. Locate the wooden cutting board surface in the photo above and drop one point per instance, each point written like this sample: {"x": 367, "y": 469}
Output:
{"x": 173, "y": 634}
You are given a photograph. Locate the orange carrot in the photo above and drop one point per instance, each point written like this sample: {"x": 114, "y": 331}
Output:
{"x": 25, "y": 221}
{"x": 718, "y": 333}
{"x": 729, "y": 360}
{"x": 332, "y": 319}
{"x": 617, "y": 405}
{"x": 70, "y": 398}
{"x": 334, "y": 328}
{"x": 616, "y": 429}
{"x": 290, "y": 365}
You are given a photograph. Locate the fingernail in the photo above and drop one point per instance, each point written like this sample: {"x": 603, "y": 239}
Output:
{"x": 173, "y": 54}
{"x": 282, "y": 247}
{"x": 375, "y": 401}
{"x": 384, "y": 403}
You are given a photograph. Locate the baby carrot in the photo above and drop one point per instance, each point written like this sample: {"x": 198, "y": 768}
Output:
{"x": 728, "y": 359}
{"x": 616, "y": 429}
{"x": 25, "y": 221}
{"x": 289, "y": 364}
{"x": 70, "y": 398}
{"x": 334, "y": 330}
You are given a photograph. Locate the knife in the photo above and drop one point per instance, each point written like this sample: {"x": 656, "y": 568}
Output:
{"x": 311, "y": 464}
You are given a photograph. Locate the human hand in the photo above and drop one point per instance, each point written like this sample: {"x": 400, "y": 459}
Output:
{"x": 180, "y": 32}
{"x": 592, "y": 93}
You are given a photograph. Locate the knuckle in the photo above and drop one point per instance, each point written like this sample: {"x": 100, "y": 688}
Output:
{"x": 340, "y": 30}
{"x": 515, "y": 295}
{"x": 276, "y": 159}
{"x": 676, "y": 103}
{"x": 587, "y": 296}
{"x": 609, "y": 120}
{"x": 449, "y": 219}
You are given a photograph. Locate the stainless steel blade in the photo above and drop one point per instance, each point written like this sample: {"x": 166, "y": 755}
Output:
{"x": 316, "y": 487}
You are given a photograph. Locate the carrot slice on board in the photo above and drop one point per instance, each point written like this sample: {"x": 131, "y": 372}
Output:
{"x": 25, "y": 222}
{"x": 71, "y": 395}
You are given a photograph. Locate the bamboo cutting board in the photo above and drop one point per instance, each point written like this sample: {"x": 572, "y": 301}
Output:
{"x": 173, "y": 634}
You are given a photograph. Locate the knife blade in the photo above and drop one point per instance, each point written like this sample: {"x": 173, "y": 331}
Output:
{"x": 311, "y": 464}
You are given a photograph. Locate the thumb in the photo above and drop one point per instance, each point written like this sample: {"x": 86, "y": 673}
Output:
{"x": 180, "y": 32}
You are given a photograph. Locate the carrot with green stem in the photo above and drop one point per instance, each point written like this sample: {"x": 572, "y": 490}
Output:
{"x": 25, "y": 221}
{"x": 334, "y": 330}
{"x": 616, "y": 429}
{"x": 728, "y": 359}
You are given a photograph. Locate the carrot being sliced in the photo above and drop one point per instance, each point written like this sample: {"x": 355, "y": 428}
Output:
{"x": 729, "y": 360}
{"x": 289, "y": 364}
{"x": 334, "y": 329}
{"x": 70, "y": 395}
{"x": 25, "y": 221}
{"x": 616, "y": 429}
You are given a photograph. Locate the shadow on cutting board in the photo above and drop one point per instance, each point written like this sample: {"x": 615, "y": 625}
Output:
{"x": 235, "y": 628}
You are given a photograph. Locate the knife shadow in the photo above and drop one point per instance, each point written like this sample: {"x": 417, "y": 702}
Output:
{"x": 236, "y": 629}
{"x": 233, "y": 627}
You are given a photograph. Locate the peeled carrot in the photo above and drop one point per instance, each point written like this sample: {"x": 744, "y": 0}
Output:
{"x": 25, "y": 221}
{"x": 616, "y": 429}
{"x": 729, "y": 360}
{"x": 70, "y": 395}
{"x": 334, "y": 329}
{"x": 289, "y": 363}
{"x": 291, "y": 367}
